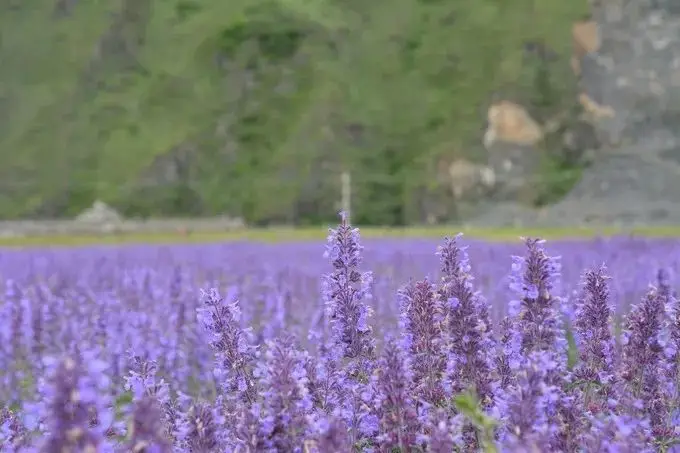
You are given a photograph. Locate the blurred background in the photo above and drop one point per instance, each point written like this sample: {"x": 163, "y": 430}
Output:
{"x": 282, "y": 112}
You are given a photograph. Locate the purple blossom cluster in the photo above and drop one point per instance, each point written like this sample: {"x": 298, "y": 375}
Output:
{"x": 238, "y": 350}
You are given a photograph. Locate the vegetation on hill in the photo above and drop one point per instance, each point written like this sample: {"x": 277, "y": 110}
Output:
{"x": 254, "y": 108}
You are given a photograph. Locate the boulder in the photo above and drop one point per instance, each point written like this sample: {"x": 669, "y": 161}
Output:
{"x": 509, "y": 122}
{"x": 100, "y": 213}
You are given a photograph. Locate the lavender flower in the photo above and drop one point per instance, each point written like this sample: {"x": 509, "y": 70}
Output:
{"x": 394, "y": 405}
{"x": 13, "y": 434}
{"x": 508, "y": 356}
{"x": 286, "y": 403}
{"x": 332, "y": 437}
{"x": 672, "y": 328}
{"x": 325, "y": 379}
{"x": 641, "y": 369}
{"x": 37, "y": 325}
{"x": 345, "y": 292}
{"x": 76, "y": 408}
{"x": 245, "y": 435}
{"x": 13, "y": 329}
{"x": 141, "y": 380}
{"x": 422, "y": 331}
{"x": 529, "y": 405}
{"x": 235, "y": 357}
{"x": 617, "y": 433}
{"x": 9, "y": 390}
{"x": 202, "y": 429}
{"x": 533, "y": 279}
{"x": 356, "y": 409}
{"x": 143, "y": 384}
{"x": 595, "y": 370}
{"x": 642, "y": 350}
{"x": 470, "y": 362}
{"x": 147, "y": 432}
{"x": 442, "y": 433}
{"x": 174, "y": 415}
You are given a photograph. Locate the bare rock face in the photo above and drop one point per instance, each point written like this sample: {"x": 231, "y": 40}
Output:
{"x": 628, "y": 60}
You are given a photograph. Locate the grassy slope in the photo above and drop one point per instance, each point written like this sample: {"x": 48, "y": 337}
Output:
{"x": 413, "y": 72}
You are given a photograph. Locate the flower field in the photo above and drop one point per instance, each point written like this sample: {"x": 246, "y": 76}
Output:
{"x": 361, "y": 346}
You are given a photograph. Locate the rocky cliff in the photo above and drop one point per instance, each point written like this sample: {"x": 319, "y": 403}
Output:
{"x": 626, "y": 59}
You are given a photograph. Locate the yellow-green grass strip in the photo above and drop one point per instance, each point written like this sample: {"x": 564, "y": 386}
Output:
{"x": 284, "y": 234}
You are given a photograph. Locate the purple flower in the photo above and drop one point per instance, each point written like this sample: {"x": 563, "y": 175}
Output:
{"x": 508, "y": 356}
{"x": 672, "y": 346}
{"x": 355, "y": 408}
{"x": 642, "y": 368}
{"x": 147, "y": 432}
{"x": 346, "y": 291}
{"x": 141, "y": 380}
{"x": 325, "y": 380}
{"x": 15, "y": 329}
{"x": 533, "y": 279}
{"x": 529, "y": 405}
{"x": 442, "y": 433}
{"x": 13, "y": 434}
{"x": 143, "y": 384}
{"x": 202, "y": 430}
{"x": 235, "y": 356}
{"x": 393, "y": 402}
{"x": 286, "y": 403}
{"x": 617, "y": 434}
{"x": 595, "y": 370}
{"x": 471, "y": 345}
{"x": 642, "y": 350}
{"x": 76, "y": 409}
{"x": 421, "y": 320}
{"x": 332, "y": 437}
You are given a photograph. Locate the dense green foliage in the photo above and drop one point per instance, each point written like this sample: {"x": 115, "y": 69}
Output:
{"x": 254, "y": 108}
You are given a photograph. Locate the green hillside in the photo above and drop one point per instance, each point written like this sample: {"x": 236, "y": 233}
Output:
{"x": 253, "y": 108}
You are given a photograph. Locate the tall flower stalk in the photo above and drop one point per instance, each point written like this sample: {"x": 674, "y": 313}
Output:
{"x": 470, "y": 363}
{"x": 399, "y": 425}
{"x": 346, "y": 291}
{"x": 541, "y": 336}
{"x": 528, "y": 425}
{"x": 234, "y": 354}
{"x": 422, "y": 324}
{"x": 595, "y": 373}
{"x": 533, "y": 279}
{"x": 286, "y": 404}
{"x": 468, "y": 328}
{"x": 147, "y": 430}
{"x": 641, "y": 370}
{"x": 76, "y": 409}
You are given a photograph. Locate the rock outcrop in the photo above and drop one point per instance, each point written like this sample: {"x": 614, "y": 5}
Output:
{"x": 627, "y": 61}
{"x": 630, "y": 76}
